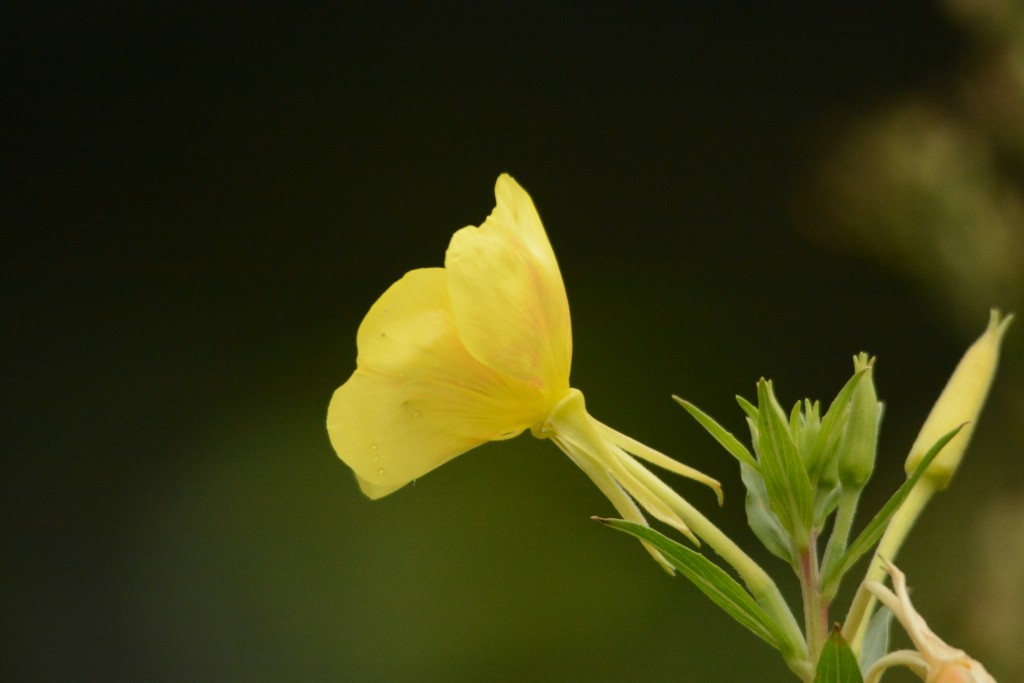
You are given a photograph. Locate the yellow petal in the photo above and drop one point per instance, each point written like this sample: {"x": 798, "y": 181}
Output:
{"x": 417, "y": 398}
{"x": 374, "y": 432}
{"x": 373, "y": 491}
{"x": 507, "y": 294}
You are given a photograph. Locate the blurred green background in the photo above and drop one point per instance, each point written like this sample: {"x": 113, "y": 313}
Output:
{"x": 202, "y": 202}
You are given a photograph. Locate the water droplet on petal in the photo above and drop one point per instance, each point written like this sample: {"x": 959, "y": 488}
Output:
{"x": 373, "y": 446}
{"x": 416, "y": 414}
{"x": 380, "y": 471}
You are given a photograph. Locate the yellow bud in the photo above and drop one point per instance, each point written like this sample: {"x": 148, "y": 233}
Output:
{"x": 960, "y": 402}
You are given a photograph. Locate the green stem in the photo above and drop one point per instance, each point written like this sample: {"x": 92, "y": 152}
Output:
{"x": 899, "y": 526}
{"x": 573, "y": 428}
{"x": 761, "y": 586}
{"x": 839, "y": 537}
{"x": 815, "y": 609}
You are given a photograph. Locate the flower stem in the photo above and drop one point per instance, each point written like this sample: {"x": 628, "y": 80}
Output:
{"x": 838, "y": 539}
{"x": 902, "y": 521}
{"x": 815, "y": 607}
{"x": 761, "y": 586}
{"x": 576, "y": 432}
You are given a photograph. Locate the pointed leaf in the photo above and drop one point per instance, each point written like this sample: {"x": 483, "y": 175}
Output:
{"x": 825, "y": 503}
{"x": 795, "y": 422}
{"x": 831, "y": 575}
{"x": 876, "y": 638}
{"x": 721, "y": 435}
{"x": 837, "y": 663}
{"x": 810, "y": 425}
{"x": 785, "y": 479}
{"x": 711, "y": 579}
{"x": 749, "y": 408}
{"x": 832, "y": 427}
{"x": 762, "y": 520}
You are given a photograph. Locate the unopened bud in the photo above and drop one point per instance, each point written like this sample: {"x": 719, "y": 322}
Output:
{"x": 857, "y": 457}
{"x": 960, "y": 402}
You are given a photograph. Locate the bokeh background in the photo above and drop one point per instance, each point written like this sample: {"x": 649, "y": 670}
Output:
{"x": 201, "y": 202}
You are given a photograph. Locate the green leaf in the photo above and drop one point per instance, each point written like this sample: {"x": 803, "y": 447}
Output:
{"x": 721, "y": 435}
{"x": 876, "y": 638}
{"x": 785, "y": 478}
{"x": 711, "y": 579}
{"x": 795, "y": 422}
{"x": 825, "y": 503}
{"x": 831, "y": 574}
{"x": 810, "y": 425}
{"x": 762, "y": 520}
{"x": 755, "y": 439}
{"x": 747, "y": 407}
{"x": 837, "y": 663}
{"x": 822, "y": 456}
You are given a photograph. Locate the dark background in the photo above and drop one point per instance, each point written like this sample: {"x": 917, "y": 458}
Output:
{"x": 201, "y": 203}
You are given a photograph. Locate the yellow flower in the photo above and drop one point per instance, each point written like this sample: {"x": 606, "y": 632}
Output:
{"x": 933, "y": 660}
{"x": 480, "y": 350}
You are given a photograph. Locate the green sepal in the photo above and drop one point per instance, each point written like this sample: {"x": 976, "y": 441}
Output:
{"x": 832, "y": 573}
{"x": 709, "y": 578}
{"x": 837, "y": 663}
{"x": 720, "y": 434}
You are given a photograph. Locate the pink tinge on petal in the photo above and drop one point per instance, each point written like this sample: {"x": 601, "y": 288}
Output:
{"x": 507, "y": 294}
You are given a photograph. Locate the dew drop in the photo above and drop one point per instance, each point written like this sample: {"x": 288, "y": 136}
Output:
{"x": 380, "y": 471}
{"x": 416, "y": 414}
{"x": 373, "y": 446}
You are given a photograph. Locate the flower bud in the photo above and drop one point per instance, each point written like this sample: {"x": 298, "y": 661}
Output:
{"x": 857, "y": 457}
{"x": 960, "y": 402}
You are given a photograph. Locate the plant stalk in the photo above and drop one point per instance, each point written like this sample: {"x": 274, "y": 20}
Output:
{"x": 864, "y": 601}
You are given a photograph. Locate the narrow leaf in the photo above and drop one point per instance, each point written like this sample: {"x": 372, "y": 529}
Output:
{"x": 747, "y": 407}
{"x": 810, "y": 425}
{"x": 764, "y": 523}
{"x": 785, "y": 479}
{"x": 876, "y": 638}
{"x": 873, "y": 531}
{"x": 721, "y": 435}
{"x": 837, "y": 663}
{"x": 795, "y": 422}
{"x": 711, "y": 579}
{"x": 832, "y": 427}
